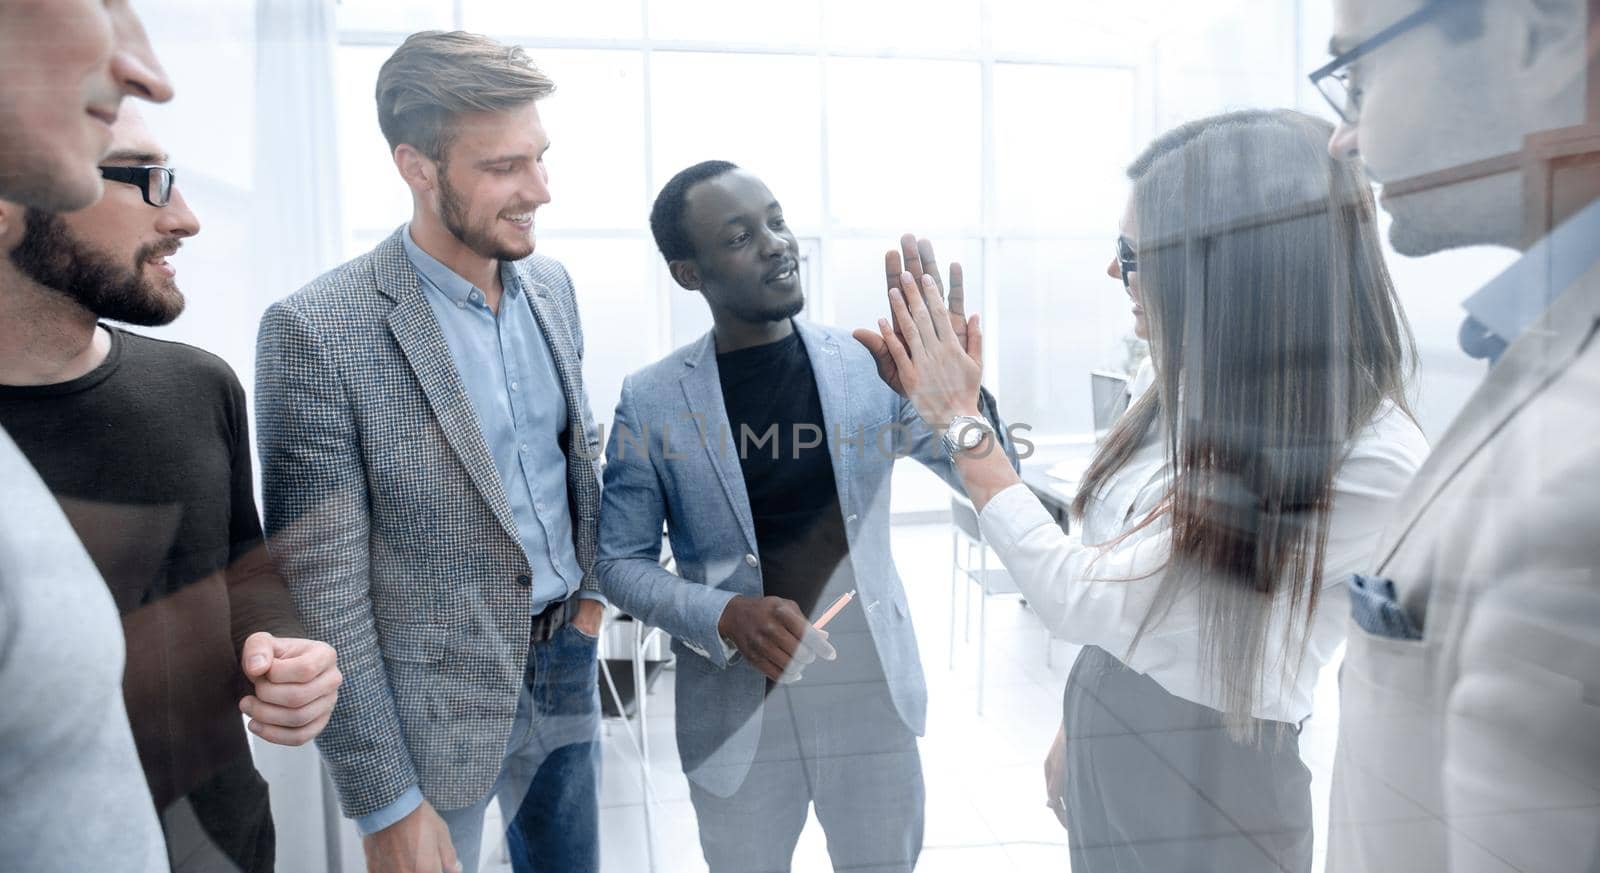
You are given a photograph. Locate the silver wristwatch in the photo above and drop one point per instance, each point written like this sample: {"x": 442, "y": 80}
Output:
{"x": 966, "y": 432}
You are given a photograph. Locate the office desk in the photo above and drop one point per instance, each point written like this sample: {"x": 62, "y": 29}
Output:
{"x": 1052, "y": 474}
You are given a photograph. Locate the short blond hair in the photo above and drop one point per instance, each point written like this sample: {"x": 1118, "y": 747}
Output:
{"x": 434, "y": 77}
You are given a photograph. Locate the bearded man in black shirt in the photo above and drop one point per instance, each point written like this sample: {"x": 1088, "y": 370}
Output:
{"x": 766, "y": 448}
{"x": 145, "y": 445}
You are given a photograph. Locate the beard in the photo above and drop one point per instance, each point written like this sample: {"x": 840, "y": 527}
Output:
{"x": 480, "y": 239}
{"x": 52, "y": 256}
{"x": 766, "y": 312}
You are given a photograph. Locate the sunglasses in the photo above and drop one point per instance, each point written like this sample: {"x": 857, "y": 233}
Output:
{"x": 1127, "y": 261}
{"x": 153, "y": 181}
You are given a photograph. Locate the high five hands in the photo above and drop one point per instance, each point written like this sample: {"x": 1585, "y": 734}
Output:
{"x": 932, "y": 354}
{"x": 915, "y": 257}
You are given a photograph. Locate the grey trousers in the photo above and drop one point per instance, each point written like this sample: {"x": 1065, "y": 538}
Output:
{"x": 836, "y": 742}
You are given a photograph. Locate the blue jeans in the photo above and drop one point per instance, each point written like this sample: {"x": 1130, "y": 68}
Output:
{"x": 549, "y": 784}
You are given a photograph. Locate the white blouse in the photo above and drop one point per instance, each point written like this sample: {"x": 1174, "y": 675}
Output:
{"x": 1096, "y": 594}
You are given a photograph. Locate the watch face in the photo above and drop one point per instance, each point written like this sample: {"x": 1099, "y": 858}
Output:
{"x": 967, "y": 434}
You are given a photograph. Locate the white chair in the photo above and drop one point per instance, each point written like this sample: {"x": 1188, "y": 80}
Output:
{"x": 638, "y": 646}
{"x": 969, "y": 560}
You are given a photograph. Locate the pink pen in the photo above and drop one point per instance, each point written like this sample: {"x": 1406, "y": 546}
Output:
{"x": 834, "y": 609}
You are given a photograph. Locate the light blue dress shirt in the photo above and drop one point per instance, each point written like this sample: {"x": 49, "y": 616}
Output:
{"x": 1501, "y": 310}
{"x": 510, "y": 377}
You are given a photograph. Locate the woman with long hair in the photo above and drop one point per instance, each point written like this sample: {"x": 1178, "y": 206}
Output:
{"x": 1224, "y": 512}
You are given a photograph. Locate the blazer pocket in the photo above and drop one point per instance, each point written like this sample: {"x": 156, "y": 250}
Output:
{"x": 1386, "y": 669}
{"x": 1376, "y": 608}
{"x": 424, "y": 644}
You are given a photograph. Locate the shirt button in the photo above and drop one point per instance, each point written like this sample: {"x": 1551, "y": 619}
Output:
{"x": 751, "y": 561}
{"x": 514, "y": 386}
{"x": 850, "y": 520}
{"x": 524, "y": 447}
{"x": 524, "y": 580}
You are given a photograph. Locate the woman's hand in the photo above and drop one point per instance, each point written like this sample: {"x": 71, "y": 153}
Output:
{"x": 1055, "y": 775}
{"x": 915, "y": 256}
{"x": 939, "y": 373}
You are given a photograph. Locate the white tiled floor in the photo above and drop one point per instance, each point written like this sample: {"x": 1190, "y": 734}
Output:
{"x": 985, "y": 792}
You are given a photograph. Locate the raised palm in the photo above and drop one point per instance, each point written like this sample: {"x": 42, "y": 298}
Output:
{"x": 916, "y": 257}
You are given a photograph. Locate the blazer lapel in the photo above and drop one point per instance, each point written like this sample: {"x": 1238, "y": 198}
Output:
{"x": 425, "y": 349}
{"x": 827, "y": 365}
{"x": 702, "y": 390}
{"x": 1532, "y": 361}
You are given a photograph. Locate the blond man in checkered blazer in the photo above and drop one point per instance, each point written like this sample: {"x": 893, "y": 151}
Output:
{"x": 429, "y": 464}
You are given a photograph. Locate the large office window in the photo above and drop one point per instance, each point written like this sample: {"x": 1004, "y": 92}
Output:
{"x": 999, "y": 128}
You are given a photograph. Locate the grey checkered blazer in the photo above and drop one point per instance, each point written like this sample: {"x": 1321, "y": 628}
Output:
{"x": 392, "y": 528}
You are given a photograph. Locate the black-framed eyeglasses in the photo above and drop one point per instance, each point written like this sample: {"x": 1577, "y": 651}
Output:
{"x": 1127, "y": 260}
{"x": 153, "y": 180}
{"x": 1332, "y": 79}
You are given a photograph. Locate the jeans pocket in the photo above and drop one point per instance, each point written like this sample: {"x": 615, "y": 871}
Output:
{"x": 570, "y": 684}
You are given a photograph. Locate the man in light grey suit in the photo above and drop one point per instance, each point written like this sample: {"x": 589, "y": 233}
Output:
{"x": 430, "y": 471}
{"x": 1470, "y": 694}
{"x": 766, "y": 447}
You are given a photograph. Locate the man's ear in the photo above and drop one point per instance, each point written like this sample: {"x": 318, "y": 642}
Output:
{"x": 1553, "y": 54}
{"x": 420, "y": 171}
{"x": 686, "y": 274}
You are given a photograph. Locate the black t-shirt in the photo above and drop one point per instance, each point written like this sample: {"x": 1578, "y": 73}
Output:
{"x": 794, "y": 500}
{"x": 775, "y": 416}
{"x": 149, "y": 455}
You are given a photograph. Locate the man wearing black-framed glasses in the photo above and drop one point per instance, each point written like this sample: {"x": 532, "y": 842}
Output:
{"x": 1470, "y": 716}
{"x": 145, "y": 446}
{"x": 154, "y": 181}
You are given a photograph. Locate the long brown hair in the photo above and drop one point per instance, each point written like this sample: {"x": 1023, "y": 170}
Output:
{"x": 1276, "y": 336}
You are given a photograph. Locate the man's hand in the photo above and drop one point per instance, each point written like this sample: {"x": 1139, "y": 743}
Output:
{"x": 590, "y": 612}
{"x": 296, "y": 684}
{"x": 774, "y": 636}
{"x": 916, "y": 257}
{"x": 1055, "y": 775}
{"x": 418, "y": 843}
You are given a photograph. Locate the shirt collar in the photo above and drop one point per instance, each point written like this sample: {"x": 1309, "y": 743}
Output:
{"x": 450, "y": 283}
{"x": 1516, "y": 298}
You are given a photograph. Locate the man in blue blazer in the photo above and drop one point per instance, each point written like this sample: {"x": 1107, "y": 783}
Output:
{"x": 766, "y": 448}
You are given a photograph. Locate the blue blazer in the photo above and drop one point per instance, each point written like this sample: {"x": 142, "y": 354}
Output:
{"x": 670, "y": 459}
